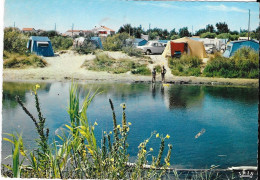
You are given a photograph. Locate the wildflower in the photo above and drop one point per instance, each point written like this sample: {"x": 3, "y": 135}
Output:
{"x": 105, "y": 132}
{"x": 118, "y": 126}
{"x": 151, "y": 149}
{"x": 123, "y": 105}
{"x": 127, "y": 129}
{"x": 144, "y": 151}
{"x": 129, "y": 123}
{"x": 157, "y": 135}
{"x": 168, "y": 164}
{"x": 110, "y": 132}
{"x": 95, "y": 123}
{"x": 146, "y": 140}
{"x": 112, "y": 159}
{"x": 37, "y": 86}
{"x": 167, "y": 136}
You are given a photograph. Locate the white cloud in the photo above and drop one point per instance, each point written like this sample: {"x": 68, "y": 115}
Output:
{"x": 222, "y": 7}
{"x": 161, "y": 5}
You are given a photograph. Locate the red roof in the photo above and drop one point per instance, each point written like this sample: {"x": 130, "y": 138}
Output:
{"x": 107, "y": 28}
{"x": 28, "y": 29}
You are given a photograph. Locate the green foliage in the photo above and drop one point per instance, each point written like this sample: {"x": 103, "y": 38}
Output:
{"x": 115, "y": 42}
{"x": 244, "y": 64}
{"x": 158, "y": 68}
{"x": 173, "y": 37}
{"x": 61, "y": 43}
{"x": 185, "y": 66}
{"x": 78, "y": 155}
{"x": 228, "y": 36}
{"x": 12, "y": 60}
{"x": 208, "y": 35}
{"x": 184, "y": 32}
{"x": 14, "y": 41}
{"x": 103, "y": 62}
{"x": 222, "y": 28}
{"x": 86, "y": 48}
{"x": 132, "y": 51}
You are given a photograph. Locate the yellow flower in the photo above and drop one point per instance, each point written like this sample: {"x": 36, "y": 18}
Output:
{"x": 95, "y": 123}
{"x": 168, "y": 164}
{"x": 127, "y": 129}
{"x": 151, "y": 149}
{"x": 123, "y": 105}
{"x": 157, "y": 135}
{"x": 37, "y": 86}
{"x": 146, "y": 140}
{"x": 168, "y": 136}
{"x": 144, "y": 150}
{"x": 105, "y": 132}
{"x": 110, "y": 132}
{"x": 118, "y": 126}
{"x": 112, "y": 159}
{"x": 129, "y": 123}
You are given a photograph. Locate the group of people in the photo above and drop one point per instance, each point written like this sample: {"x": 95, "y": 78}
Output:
{"x": 163, "y": 72}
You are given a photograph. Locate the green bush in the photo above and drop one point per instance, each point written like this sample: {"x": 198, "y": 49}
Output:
{"x": 208, "y": 35}
{"x": 22, "y": 61}
{"x": 185, "y": 66}
{"x": 86, "y": 48}
{"x": 14, "y": 41}
{"x": 115, "y": 42}
{"x": 244, "y": 64}
{"x": 158, "y": 68}
{"x": 61, "y": 43}
{"x": 132, "y": 51}
{"x": 103, "y": 62}
{"x": 143, "y": 70}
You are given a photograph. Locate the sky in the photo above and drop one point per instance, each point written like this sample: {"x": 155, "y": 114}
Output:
{"x": 85, "y": 15}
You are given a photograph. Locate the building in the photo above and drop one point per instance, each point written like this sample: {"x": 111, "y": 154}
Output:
{"x": 77, "y": 32}
{"x": 103, "y": 31}
{"x": 32, "y": 30}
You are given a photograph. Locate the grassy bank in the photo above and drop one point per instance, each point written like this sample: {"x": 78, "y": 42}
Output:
{"x": 15, "y": 60}
{"x": 243, "y": 64}
{"x": 103, "y": 62}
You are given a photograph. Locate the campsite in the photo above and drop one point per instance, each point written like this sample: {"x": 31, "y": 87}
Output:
{"x": 130, "y": 90}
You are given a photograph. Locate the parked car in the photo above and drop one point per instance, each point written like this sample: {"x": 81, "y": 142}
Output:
{"x": 210, "y": 48}
{"x": 152, "y": 47}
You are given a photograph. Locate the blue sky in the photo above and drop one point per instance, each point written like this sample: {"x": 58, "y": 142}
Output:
{"x": 43, "y": 14}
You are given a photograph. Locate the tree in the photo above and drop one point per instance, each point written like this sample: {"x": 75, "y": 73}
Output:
{"x": 208, "y": 35}
{"x": 200, "y": 31}
{"x": 210, "y": 28}
{"x": 126, "y": 28}
{"x": 222, "y": 28}
{"x": 184, "y": 32}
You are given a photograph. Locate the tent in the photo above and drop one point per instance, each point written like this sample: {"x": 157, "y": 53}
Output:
{"x": 233, "y": 46}
{"x": 195, "y": 48}
{"x": 135, "y": 42}
{"x": 40, "y": 45}
{"x": 97, "y": 42}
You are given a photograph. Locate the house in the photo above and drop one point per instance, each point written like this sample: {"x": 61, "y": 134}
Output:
{"x": 25, "y": 30}
{"x": 233, "y": 46}
{"x": 40, "y": 45}
{"x": 191, "y": 47}
{"x": 103, "y": 31}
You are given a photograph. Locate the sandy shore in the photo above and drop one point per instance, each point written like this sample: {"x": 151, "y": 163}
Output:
{"x": 65, "y": 67}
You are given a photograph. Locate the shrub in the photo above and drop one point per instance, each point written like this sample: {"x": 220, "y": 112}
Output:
{"x": 244, "y": 64}
{"x": 158, "y": 68}
{"x": 115, "y": 42}
{"x": 61, "y": 43}
{"x": 208, "y": 35}
{"x": 186, "y": 65}
{"x": 132, "y": 51}
{"x": 143, "y": 70}
{"x": 86, "y": 48}
{"x": 14, "y": 41}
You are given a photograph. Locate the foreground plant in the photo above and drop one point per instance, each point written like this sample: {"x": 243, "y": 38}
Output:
{"x": 77, "y": 155}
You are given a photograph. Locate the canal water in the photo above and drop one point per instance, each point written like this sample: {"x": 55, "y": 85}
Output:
{"x": 226, "y": 116}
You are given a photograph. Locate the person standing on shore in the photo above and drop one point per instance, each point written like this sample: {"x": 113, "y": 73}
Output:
{"x": 163, "y": 72}
{"x": 154, "y": 75}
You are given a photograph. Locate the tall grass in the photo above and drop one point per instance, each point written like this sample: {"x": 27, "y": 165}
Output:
{"x": 77, "y": 154}
{"x": 185, "y": 66}
{"x": 244, "y": 64}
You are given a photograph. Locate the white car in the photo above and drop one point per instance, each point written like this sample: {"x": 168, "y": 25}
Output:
{"x": 152, "y": 47}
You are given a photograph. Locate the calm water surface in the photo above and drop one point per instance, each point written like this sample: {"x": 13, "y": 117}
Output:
{"x": 228, "y": 115}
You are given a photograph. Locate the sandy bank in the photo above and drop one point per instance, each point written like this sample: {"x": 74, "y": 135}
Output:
{"x": 68, "y": 66}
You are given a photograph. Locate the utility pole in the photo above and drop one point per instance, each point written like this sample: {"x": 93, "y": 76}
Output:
{"x": 192, "y": 31}
{"x": 248, "y": 25}
{"x": 55, "y": 27}
{"x": 14, "y": 24}
{"x": 72, "y": 29}
{"x": 149, "y": 31}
